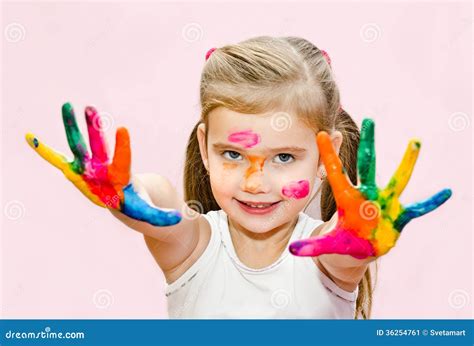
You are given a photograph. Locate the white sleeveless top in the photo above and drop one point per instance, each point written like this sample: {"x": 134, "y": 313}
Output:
{"x": 219, "y": 285}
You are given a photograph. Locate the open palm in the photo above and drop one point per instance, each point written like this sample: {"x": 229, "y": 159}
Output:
{"x": 105, "y": 183}
{"x": 370, "y": 219}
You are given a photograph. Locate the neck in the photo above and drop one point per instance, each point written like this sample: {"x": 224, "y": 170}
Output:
{"x": 260, "y": 249}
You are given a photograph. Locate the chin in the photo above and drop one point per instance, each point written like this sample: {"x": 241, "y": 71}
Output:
{"x": 259, "y": 223}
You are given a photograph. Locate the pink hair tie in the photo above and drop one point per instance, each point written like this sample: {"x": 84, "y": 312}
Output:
{"x": 328, "y": 60}
{"x": 209, "y": 52}
{"x": 326, "y": 56}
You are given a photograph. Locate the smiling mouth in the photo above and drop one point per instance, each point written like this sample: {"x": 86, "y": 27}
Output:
{"x": 258, "y": 207}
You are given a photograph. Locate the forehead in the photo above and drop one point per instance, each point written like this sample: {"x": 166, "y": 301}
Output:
{"x": 274, "y": 128}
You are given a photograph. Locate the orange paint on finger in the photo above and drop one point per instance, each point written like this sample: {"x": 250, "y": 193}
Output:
{"x": 119, "y": 170}
{"x": 341, "y": 186}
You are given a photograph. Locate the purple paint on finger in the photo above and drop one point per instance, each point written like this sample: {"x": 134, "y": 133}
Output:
{"x": 247, "y": 138}
{"x": 296, "y": 189}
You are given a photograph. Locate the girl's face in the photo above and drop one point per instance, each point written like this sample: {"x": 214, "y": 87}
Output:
{"x": 262, "y": 167}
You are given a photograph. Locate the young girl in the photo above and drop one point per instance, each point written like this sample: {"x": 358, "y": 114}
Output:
{"x": 271, "y": 123}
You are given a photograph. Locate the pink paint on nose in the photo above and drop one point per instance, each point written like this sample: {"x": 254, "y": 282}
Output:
{"x": 246, "y": 138}
{"x": 296, "y": 189}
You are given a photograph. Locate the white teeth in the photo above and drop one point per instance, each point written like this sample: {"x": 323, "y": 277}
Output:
{"x": 259, "y": 206}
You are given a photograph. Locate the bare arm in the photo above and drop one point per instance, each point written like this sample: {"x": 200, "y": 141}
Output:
{"x": 171, "y": 246}
{"x": 147, "y": 203}
{"x": 344, "y": 270}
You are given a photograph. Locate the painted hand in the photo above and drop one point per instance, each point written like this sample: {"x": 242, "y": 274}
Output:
{"x": 370, "y": 220}
{"x": 105, "y": 183}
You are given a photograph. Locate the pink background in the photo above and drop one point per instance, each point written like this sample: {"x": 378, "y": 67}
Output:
{"x": 407, "y": 65}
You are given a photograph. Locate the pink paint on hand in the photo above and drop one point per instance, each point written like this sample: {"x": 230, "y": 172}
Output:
{"x": 96, "y": 135}
{"x": 339, "y": 242}
{"x": 247, "y": 138}
{"x": 296, "y": 189}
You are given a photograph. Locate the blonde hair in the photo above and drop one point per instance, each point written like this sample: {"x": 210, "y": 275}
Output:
{"x": 265, "y": 74}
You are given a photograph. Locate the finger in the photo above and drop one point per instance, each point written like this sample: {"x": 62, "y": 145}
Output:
{"x": 340, "y": 183}
{"x": 74, "y": 138}
{"x": 366, "y": 160}
{"x": 119, "y": 170}
{"x": 337, "y": 242}
{"x": 400, "y": 179}
{"x": 96, "y": 135}
{"x": 53, "y": 157}
{"x": 84, "y": 186}
{"x": 135, "y": 207}
{"x": 60, "y": 161}
{"x": 421, "y": 208}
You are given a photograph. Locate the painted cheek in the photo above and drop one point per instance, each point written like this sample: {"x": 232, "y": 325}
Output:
{"x": 229, "y": 165}
{"x": 228, "y": 170}
{"x": 247, "y": 138}
{"x": 296, "y": 189}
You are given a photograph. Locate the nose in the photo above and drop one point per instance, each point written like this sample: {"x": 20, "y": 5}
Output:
{"x": 255, "y": 184}
{"x": 254, "y": 179}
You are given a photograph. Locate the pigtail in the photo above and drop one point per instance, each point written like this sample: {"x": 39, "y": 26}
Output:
{"x": 197, "y": 185}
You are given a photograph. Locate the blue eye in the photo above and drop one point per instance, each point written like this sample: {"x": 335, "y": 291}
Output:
{"x": 285, "y": 158}
{"x": 232, "y": 155}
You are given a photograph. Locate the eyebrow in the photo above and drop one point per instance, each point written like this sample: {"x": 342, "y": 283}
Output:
{"x": 221, "y": 146}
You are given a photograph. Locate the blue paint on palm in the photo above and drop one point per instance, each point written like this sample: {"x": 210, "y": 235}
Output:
{"x": 136, "y": 208}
